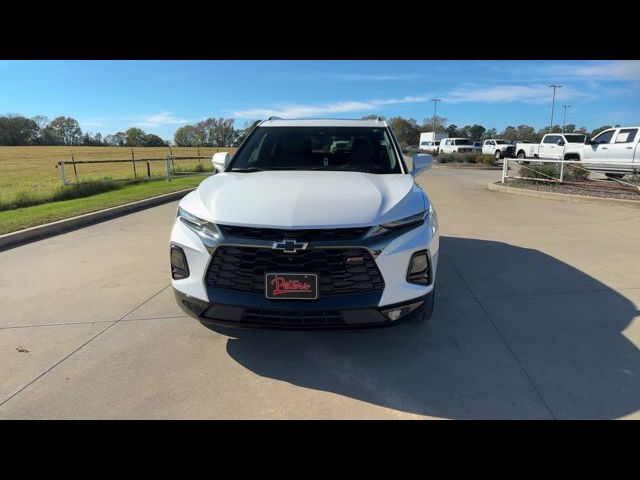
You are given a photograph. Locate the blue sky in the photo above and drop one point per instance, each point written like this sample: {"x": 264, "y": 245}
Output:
{"x": 159, "y": 96}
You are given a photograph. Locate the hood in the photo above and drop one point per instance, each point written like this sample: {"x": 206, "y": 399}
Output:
{"x": 305, "y": 199}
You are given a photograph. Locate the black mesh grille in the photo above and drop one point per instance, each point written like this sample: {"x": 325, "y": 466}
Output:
{"x": 340, "y": 270}
{"x": 293, "y": 318}
{"x": 305, "y": 235}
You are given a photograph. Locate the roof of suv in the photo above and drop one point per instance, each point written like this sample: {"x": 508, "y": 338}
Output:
{"x": 322, "y": 122}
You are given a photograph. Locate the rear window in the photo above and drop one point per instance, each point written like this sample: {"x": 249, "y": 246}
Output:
{"x": 360, "y": 149}
{"x": 626, "y": 135}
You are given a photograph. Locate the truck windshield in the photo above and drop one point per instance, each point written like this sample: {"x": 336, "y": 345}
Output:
{"x": 354, "y": 149}
{"x": 463, "y": 142}
{"x": 575, "y": 138}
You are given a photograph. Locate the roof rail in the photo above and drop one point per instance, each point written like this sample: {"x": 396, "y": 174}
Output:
{"x": 275, "y": 118}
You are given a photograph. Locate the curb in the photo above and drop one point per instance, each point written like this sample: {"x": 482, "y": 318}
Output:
{"x": 567, "y": 197}
{"x": 39, "y": 232}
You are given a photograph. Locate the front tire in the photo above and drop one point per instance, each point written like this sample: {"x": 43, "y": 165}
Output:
{"x": 498, "y": 155}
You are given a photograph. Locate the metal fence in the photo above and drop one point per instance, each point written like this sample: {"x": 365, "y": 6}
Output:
{"x": 168, "y": 167}
{"x": 536, "y": 173}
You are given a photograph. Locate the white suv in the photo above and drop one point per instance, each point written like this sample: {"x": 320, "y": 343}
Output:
{"x": 294, "y": 233}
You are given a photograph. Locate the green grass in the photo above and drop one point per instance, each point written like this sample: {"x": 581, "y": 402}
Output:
{"x": 19, "y": 218}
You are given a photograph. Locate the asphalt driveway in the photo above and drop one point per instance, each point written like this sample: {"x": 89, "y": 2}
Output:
{"x": 537, "y": 316}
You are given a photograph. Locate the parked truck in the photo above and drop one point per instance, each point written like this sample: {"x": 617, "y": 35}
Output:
{"x": 555, "y": 146}
{"x": 614, "y": 151}
{"x": 498, "y": 148}
{"x": 430, "y": 141}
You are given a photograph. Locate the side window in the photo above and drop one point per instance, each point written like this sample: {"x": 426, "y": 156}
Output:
{"x": 492, "y": 143}
{"x": 626, "y": 135}
{"x": 550, "y": 139}
{"x": 604, "y": 137}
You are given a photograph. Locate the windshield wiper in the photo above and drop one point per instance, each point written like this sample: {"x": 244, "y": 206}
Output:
{"x": 247, "y": 170}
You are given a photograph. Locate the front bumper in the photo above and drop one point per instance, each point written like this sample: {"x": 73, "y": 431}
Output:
{"x": 293, "y": 316}
{"x": 223, "y": 306}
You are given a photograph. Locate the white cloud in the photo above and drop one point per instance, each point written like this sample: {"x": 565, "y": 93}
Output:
{"x": 159, "y": 119}
{"x": 301, "y": 111}
{"x": 614, "y": 70}
{"x": 511, "y": 93}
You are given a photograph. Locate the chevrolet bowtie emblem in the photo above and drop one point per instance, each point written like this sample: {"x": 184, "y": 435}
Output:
{"x": 289, "y": 245}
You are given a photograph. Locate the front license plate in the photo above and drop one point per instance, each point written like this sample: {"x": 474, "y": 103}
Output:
{"x": 291, "y": 286}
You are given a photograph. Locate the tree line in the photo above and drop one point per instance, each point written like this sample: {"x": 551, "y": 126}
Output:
{"x": 17, "y": 130}
{"x": 221, "y": 132}
{"x": 408, "y": 130}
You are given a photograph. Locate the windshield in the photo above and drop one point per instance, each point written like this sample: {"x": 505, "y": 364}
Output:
{"x": 353, "y": 149}
{"x": 463, "y": 142}
{"x": 575, "y": 138}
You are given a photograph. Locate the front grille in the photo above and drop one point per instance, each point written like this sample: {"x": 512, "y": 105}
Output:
{"x": 244, "y": 268}
{"x": 304, "y": 235}
{"x": 309, "y": 318}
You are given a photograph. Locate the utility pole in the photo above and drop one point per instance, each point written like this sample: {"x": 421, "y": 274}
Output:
{"x": 435, "y": 108}
{"x": 564, "y": 117}
{"x": 553, "y": 102}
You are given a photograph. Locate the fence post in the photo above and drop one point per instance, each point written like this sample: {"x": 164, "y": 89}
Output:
{"x": 148, "y": 170}
{"x": 133, "y": 160}
{"x": 168, "y": 162}
{"x": 505, "y": 168}
{"x": 75, "y": 171}
{"x": 562, "y": 170}
{"x": 64, "y": 179}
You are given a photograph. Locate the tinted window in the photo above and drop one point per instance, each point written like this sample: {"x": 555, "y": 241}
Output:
{"x": 575, "y": 138}
{"x": 463, "y": 142}
{"x": 551, "y": 139}
{"x": 361, "y": 149}
{"x": 502, "y": 142}
{"x": 626, "y": 135}
{"x": 604, "y": 137}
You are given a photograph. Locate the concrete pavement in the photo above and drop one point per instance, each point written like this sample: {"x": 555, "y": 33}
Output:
{"x": 536, "y": 317}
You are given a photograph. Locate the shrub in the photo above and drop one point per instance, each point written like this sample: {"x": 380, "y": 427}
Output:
{"x": 552, "y": 170}
{"x": 466, "y": 158}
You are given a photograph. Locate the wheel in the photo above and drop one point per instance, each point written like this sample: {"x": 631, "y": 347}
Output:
{"x": 428, "y": 306}
{"x": 498, "y": 154}
{"x": 521, "y": 155}
{"x": 617, "y": 176}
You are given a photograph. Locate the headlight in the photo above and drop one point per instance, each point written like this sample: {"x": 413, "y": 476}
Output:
{"x": 412, "y": 220}
{"x": 198, "y": 224}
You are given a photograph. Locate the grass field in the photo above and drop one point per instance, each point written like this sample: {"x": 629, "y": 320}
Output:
{"x": 12, "y": 220}
{"x": 33, "y": 169}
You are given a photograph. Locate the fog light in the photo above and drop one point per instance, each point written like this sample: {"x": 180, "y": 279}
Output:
{"x": 419, "y": 270}
{"x": 394, "y": 314}
{"x": 179, "y": 266}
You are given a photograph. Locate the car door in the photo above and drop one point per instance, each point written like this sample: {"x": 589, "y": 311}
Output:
{"x": 622, "y": 147}
{"x": 547, "y": 146}
{"x": 486, "y": 148}
{"x": 597, "y": 151}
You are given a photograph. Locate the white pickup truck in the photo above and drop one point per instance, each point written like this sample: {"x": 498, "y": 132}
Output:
{"x": 615, "y": 151}
{"x": 555, "y": 146}
{"x": 498, "y": 148}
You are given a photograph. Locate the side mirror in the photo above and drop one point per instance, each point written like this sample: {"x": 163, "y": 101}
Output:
{"x": 421, "y": 162}
{"x": 560, "y": 142}
{"x": 220, "y": 161}
{"x": 587, "y": 140}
